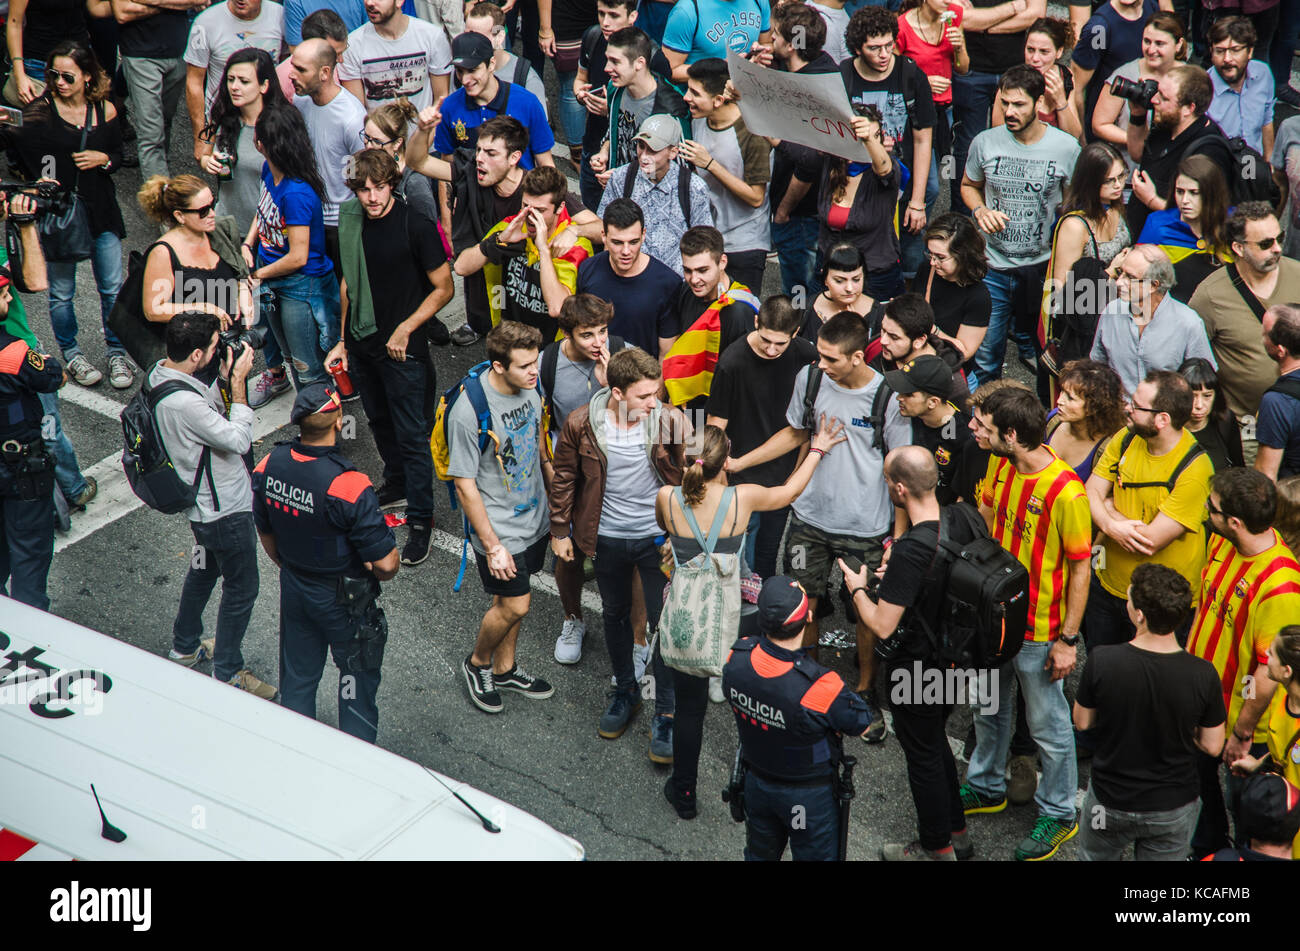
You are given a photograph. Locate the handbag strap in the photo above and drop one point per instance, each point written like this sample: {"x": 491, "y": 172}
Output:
{"x": 690, "y": 517}
{"x": 706, "y": 544}
{"x": 85, "y": 131}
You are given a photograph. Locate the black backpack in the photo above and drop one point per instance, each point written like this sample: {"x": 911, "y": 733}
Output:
{"x": 984, "y": 613}
{"x": 546, "y": 374}
{"x": 1249, "y": 176}
{"x": 148, "y": 468}
{"x": 683, "y": 186}
{"x": 878, "y": 404}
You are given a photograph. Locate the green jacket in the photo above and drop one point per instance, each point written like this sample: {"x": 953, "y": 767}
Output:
{"x": 352, "y": 258}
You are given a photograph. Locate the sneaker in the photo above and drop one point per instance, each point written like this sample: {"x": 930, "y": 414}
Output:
{"x": 1023, "y": 782}
{"x": 83, "y": 372}
{"x": 622, "y": 708}
{"x": 914, "y": 851}
{"x": 682, "y": 800}
{"x": 464, "y": 335}
{"x": 1046, "y": 839}
{"x": 189, "y": 660}
{"x": 962, "y": 846}
{"x": 715, "y": 690}
{"x": 119, "y": 372}
{"x": 876, "y": 732}
{"x": 267, "y": 387}
{"x": 390, "y": 496}
{"x": 245, "y": 680}
{"x": 973, "y": 802}
{"x": 417, "y": 543}
{"x": 568, "y": 646}
{"x": 482, "y": 688}
{"x": 534, "y": 688}
{"x": 640, "y": 660}
{"x": 661, "y": 739}
{"x": 88, "y": 493}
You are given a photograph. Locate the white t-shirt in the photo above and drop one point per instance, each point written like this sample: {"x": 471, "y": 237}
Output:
{"x": 335, "y": 130}
{"x": 216, "y": 33}
{"x": 391, "y": 69}
{"x": 837, "y": 21}
{"x": 627, "y": 509}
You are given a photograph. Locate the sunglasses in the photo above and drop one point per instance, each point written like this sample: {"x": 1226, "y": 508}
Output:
{"x": 68, "y": 79}
{"x": 1265, "y": 243}
{"x": 201, "y": 212}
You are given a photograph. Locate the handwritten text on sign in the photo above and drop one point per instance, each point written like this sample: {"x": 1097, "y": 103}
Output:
{"x": 811, "y": 110}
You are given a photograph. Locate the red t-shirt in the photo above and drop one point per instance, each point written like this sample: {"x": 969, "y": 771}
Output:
{"x": 934, "y": 60}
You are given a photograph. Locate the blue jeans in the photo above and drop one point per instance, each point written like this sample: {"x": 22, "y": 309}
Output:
{"x": 305, "y": 321}
{"x": 795, "y": 243}
{"x": 226, "y": 549}
{"x": 588, "y": 187}
{"x": 1049, "y": 723}
{"x": 770, "y": 809}
{"x": 972, "y": 103}
{"x": 887, "y": 284}
{"x": 763, "y": 540}
{"x": 1157, "y": 836}
{"x": 988, "y": 360}
{"x": 614, "y": 560}
{"x": 106, "y": 262}
{"x": 573, "y": 114}
{"x": 67, "y": 471}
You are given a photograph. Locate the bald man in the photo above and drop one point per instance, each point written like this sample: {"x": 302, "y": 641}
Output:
{"x": 335, "y": 120}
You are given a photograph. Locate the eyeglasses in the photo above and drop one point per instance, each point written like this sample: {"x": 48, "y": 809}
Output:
{"x": 1213, "y": 509}
{"x": 1119, "y": 179}
{"x": 68, "y": 79}
{"x": 1225, "y": 50}
{"x": 371, "y": 141}
{"x": 1133, "y": 407}
{"x": 879, "y": 48}
{"x": 201, "y": 212}
{"x": 938, "y": 258}
{"x": 1265, "y": 243}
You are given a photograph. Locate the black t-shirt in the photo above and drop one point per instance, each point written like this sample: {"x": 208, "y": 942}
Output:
{"x": 1153, "y": 768}
{"x": 736, "y": 321}
{"x": 1162, "y": 154}
{"x": 752, "y": 394}
{"x": 571, "y": 18}
{"x": 400, "y": 249}
{"x": 49, "y": 23}
{"x": 994, "y": 52}
{"x": 953, "y": 304}
{"x": 643, "y": 305}
{"x": 161, "y": 36}
{"x": 903, "y": 97}
{"x": 1190, "y": 271}
{"x": 960, "y": 460}
{"x": 915, "y": 576}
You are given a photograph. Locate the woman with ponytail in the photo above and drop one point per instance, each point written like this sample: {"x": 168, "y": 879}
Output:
{"x": 386, "y": 129}
{"x": 704, "y": 496}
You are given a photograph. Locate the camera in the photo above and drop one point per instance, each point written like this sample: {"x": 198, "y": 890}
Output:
{"x": 232, "y": 341}
{"x": 49, "y": 196}
{"x": 1140, "y": 92}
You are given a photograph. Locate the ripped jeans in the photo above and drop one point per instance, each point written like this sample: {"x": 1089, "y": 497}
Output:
{"x": 303, "y": 311}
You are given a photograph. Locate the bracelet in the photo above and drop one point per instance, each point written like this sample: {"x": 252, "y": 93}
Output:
{"x": 912, "y": 207}
{"x": 710, "y": 165}
{"x": 974, "y": 211}
{"x": 854, "y": 592}
{"x": 1243, "y": 739}
{"x": 820, "y": 452}
{"x": 889, "y": 540}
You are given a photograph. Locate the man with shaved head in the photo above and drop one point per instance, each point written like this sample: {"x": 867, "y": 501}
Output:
{"x": 335, "y": 121}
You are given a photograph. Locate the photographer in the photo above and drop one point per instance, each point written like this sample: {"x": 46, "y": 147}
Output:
{"x": 196, "y": 433}
{"x": 1179, "y": 128}
{"x": 909, "y": 575}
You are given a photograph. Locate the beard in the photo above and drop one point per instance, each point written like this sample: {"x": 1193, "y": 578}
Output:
{"x": 1144, "y": 430}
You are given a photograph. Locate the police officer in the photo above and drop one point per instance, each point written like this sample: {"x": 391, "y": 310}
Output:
{"x": 26, "y": 467}
{"x": 791, "y": 712}
{"x": 319, "y": 520}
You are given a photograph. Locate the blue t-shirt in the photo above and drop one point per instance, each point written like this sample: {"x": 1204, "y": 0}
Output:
{"x": 1107, "y": 42}
{"x": 353, "y": 13}
{"x": 704, "y": 28}
{"x": 461, "y": 119}
{"x": 643, "y": 305}
{"x": 289, "y": 204}
{"x": 1278, "y": 427}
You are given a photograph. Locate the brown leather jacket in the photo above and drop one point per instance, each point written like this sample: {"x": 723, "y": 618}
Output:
{"x": 578, "y": 486}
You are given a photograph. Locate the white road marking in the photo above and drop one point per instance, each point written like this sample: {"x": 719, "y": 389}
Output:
{"x": 92, "y": 400}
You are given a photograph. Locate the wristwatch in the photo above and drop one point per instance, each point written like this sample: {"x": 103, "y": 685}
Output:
{"x": 1069, "y": 640}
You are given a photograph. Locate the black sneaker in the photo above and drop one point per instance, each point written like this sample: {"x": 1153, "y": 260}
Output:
{"x": 534, "y": 688}
{"x": 683, "y": 801}
{"x": 417, "y": 543}
{"x": 464, "y": 335}
{"x": 390, "y": 495}
{"x": 482, "y": 688}
{"x": 876, "y": 732}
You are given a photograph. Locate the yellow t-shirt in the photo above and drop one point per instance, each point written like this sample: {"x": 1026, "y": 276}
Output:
{"x": 1185, "y": 505}
{"x": 1284, "y": 745}
{"x": 1244, "y": 602}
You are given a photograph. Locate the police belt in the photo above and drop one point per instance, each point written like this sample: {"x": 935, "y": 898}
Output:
{"x": 764, "y": 775}
{"x": 14, "y": 452}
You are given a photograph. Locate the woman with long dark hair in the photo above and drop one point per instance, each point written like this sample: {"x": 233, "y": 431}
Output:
{"x": 75, "y": 100}
{"x": 1193, "y": 230}
{"x": 952, "y": 281}
{"x": 1211, "y": 422}
{"x": 289, "y": 237}
{"x": 703, "y": 499}
{"x": 843, "y": 276}
{"x": 1046, "y": 42}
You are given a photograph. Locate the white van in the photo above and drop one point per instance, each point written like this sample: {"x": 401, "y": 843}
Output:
{"x": 189, "y": 768}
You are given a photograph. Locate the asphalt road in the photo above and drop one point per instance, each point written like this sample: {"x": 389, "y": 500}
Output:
{"x": 120, "y": 571}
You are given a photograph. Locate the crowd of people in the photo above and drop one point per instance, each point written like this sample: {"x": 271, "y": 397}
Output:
{"x": 654, "y": 398}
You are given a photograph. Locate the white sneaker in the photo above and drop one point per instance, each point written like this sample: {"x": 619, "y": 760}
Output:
{"x": 83, "y": 371}
{"x": 119, "y": 372}
{"x": 568, "y": 647}
{"x": 715, "y": 690}
{"x": 640, "y": 660}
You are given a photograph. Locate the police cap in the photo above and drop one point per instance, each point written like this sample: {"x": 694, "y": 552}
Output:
{"x": 312, "y": 399}
{"x": 781, "y": 604}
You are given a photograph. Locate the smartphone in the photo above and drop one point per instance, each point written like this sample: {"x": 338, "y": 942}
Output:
{"x": 11, "y": 116}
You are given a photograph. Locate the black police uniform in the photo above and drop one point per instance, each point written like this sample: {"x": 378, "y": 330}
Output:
{"x": 790, "y": 711}
{"x": 26, "y": 471}
{"x": 326, "y": 522}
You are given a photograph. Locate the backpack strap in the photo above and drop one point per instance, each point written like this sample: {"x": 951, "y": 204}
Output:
{"x": 810, "y": 395}
{"x": 478, "y": 400}
{"x": 546, "y": 375}
{"x": 1191, "y": 456}
{"x": 1253, "y": 302}
{"x": 629, "y": 180}
{"x": 154, "y": 396}
{"x": 684, "y": 191}
{"x": 690, "y": 519}
{"x": 1287, "y": 386}
{"x": 520, "y": 75}
{"x": 720, "y": 516}
{"x": 879, "y": 403}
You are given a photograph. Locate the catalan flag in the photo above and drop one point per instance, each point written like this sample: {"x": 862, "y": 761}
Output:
{"x": 566, "y": 268}
{"x": 689, "y": 365}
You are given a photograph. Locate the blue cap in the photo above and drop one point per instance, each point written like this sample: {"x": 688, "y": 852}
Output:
{"x": 782, "y": 603}
{"x": 312, "y": 399}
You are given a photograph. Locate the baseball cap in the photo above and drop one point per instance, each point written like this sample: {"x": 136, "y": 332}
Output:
{"x": 471, "y": 50}
{"x": 659, "y": 132}
{"x": 1270, "y": 809}
{"x": 312, "y": 399}
{"x": 781, "y": 603}
{"x": 925, "y": 374}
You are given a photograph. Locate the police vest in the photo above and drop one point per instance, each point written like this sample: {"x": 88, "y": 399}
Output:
{"x": 24, "y": 374}
{"x": 772, "y": 699}
{"x": 306, "y": 493}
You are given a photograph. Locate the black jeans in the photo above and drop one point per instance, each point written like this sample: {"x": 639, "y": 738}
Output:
{"x": 26, "y": 548}
{"x": 614, "y": 560}
{"x": 399, "y": 399}
{"x": 1212, "y": 826}
{"x": 225, "y": 549}
{"x": 1106, "y": 618}
{"x": 931, "y": 769}
{"x": 692, "y": 696}
{"x": 747, "y": 267}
